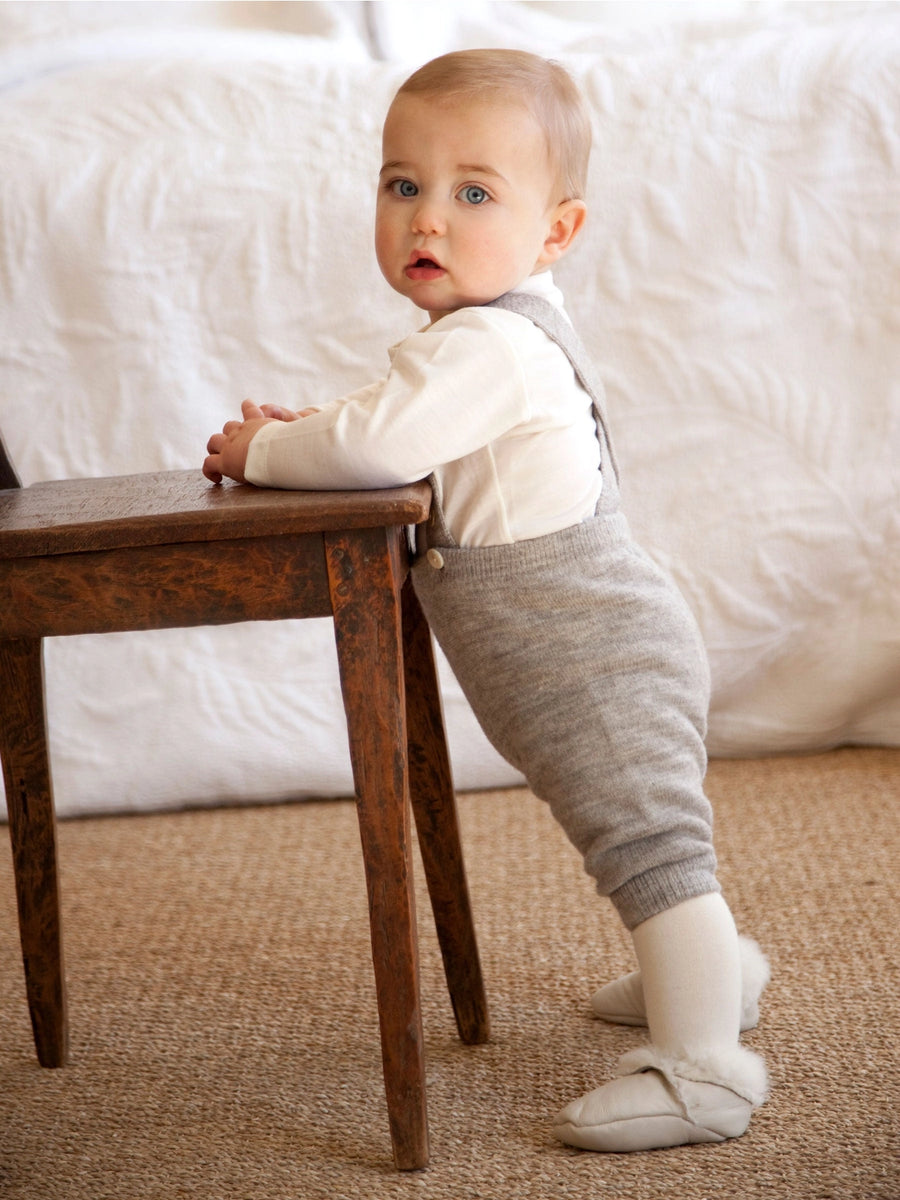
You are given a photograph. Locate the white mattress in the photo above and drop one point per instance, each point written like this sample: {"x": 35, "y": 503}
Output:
{"x": 185, "y": 220}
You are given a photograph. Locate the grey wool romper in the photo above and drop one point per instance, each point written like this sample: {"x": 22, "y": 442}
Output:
{"x": 585, "y": 668}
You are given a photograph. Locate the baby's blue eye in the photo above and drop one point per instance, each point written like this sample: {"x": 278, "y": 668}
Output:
{"x": 473, "y": 194}
{"x": 405, "y": 188}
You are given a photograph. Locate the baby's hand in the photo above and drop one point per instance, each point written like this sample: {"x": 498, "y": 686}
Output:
{"x": 227, "y": 451}
{"x": 277, "y": 413}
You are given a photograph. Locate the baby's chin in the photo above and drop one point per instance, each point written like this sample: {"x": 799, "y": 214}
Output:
{"x": 474, "y": 300}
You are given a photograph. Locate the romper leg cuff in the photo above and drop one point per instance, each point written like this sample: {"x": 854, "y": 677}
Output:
{"x": 661, "y": 888}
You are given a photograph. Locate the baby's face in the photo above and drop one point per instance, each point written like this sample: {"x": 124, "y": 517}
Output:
{"x": 466, "y": 201}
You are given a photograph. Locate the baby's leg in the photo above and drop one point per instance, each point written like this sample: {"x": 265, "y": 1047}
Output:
{"x": 694, "y": 1082}
{"x": 586, "y": 670}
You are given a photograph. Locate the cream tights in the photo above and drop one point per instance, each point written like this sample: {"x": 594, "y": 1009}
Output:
{"x": 691, "y": 971}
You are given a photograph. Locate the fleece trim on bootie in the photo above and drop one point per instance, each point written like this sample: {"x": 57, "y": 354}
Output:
{"x": 736, "y": 1068}
{"x": 755, "y": 975}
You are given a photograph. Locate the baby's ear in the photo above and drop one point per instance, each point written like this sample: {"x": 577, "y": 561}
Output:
{"x": 566, "y": 223}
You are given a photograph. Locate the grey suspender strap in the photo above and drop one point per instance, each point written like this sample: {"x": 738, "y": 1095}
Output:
{"x": 549, "y": 318}
{"x": 551, "y": 321}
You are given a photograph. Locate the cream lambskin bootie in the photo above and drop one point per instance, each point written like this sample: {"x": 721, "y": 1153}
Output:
{"x": 694, "y": 1082}
{"x": 658, "y": 1102}
{"x": 622, "y": 1001}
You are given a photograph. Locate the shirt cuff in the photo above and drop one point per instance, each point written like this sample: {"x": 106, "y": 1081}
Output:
{"x": 256, "y": 466}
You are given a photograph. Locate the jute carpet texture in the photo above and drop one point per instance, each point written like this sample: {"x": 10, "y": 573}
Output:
{"x": 224, "y": 1030}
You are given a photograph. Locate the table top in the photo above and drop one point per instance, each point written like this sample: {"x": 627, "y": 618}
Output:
{"x": 78, "y": 515}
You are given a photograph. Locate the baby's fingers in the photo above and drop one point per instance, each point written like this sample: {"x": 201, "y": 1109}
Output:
{"x": 251, "y": 411}
{"x": 278, "y": 413}
{"x": 210, "y": 468}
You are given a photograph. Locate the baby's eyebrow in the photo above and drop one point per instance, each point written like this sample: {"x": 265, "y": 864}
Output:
{"x": 480, "y": 169}
{"x": 465, "y": 168}
{"x": 395, "y": 166}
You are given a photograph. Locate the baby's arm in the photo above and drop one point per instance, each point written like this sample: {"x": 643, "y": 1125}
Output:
{"x": 451, "y": 391}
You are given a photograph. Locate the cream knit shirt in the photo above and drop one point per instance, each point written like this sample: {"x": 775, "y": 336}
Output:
{"x": 482, "y": 398}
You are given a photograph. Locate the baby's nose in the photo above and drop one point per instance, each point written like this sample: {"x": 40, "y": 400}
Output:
{"x": 428, "y": 218}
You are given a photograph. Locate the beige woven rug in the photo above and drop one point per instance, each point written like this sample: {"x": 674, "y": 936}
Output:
{"x": 224, "y": 1039}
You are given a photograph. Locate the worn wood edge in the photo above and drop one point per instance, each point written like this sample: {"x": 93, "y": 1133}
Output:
{"x": 182, "y": 506}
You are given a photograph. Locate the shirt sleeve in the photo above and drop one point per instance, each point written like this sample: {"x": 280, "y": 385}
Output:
{"x": 452, "y": 389}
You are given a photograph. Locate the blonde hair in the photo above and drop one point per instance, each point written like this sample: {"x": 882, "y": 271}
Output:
{"x": 545, "y": 89}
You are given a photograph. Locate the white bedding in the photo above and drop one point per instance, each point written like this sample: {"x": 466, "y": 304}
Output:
{"x": 185, "y": 220}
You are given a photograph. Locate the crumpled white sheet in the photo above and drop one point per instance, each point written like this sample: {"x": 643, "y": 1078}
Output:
{"x": 179, "y": 230}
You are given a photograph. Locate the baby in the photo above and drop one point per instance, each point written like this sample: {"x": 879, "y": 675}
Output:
{"x": 578, "y": 656}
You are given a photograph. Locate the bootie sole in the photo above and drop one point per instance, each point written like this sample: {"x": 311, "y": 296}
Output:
{"x": 636, "y": 1133}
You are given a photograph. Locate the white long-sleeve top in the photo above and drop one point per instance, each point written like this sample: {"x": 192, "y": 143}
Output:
{"x": 482, "y": 398}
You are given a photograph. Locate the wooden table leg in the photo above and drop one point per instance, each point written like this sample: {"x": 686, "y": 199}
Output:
{"x": 434, "y": 806}
{"x": 365, "y": 578}
{"x": 32, "y": 829}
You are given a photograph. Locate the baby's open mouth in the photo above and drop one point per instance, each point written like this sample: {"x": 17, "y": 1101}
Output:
{"x": 421, "y": 268}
